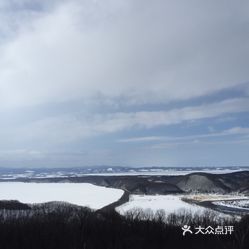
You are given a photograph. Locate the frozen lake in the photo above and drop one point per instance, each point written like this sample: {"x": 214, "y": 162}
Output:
{"x": 82, "y": 194}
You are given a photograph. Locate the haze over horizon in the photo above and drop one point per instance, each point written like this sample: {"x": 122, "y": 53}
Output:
{"x": 121, "y": 82}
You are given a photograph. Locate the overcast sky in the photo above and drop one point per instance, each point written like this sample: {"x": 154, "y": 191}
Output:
{"x": 122, "y": 82}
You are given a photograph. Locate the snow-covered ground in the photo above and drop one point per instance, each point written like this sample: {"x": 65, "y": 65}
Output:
{"x": 215, "y": 197}
{"x": 168, "y": 203}
{"x": 165, "y": 172}
{"x": 242, "y": 204}
{"x": 83, "y": 194}
{"x": 71, "y": 172}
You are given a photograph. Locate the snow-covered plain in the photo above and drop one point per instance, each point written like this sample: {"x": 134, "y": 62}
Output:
{"x": 168, "y": 203}
{"x": 78, "y": 172}
{"x": 165, "y": 172}
{"x": 82, "y": 194}
{"x": 241, "y": 204}
{"x": 215, "y": 197}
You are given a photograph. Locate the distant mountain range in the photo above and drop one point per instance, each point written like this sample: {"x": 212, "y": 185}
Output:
{"x": 10, "y": 173}
{"x": 201, "y": 182}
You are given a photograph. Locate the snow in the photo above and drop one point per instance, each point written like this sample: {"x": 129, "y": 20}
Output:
{"x": 82, "y": 194}
{"x": 169, "y": 203}
{"x": 160, "y": 172}
{"x": 112, "y": 172}
{"x": 215, "y": 197}
{"x": 241, "y": 204}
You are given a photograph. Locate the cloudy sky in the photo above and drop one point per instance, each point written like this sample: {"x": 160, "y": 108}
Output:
{"x": 122, "y": 82}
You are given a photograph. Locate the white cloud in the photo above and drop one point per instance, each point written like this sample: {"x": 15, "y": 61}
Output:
{"x": 237, "y": 130}
{"x": 101, "y": 59}
{"x": 20, "y": 154}
{"x": 144, "y": 51}
{"x": 68, "y": 128}
{"x": 176, "y": 140}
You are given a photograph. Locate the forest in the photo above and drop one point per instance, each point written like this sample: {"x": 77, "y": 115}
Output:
{"x": 51, "y": 226}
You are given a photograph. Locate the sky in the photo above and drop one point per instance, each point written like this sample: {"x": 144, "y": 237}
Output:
{"x": 124, "y": 83}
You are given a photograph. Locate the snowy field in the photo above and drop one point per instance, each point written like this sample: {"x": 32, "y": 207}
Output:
{"x": 241, "y": 204}
{"x": 169, "y": 203}
{"x": 215, "y": 197}
{"x": 82, "y": 194}
{"x": 61, "y": 173}
{"x": 165, "y": 172}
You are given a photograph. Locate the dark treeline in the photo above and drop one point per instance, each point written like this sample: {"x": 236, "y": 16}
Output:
{"x": 70, "y": 228}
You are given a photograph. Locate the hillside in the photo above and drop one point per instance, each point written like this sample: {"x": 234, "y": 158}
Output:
{"x": 161, "y": 184}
